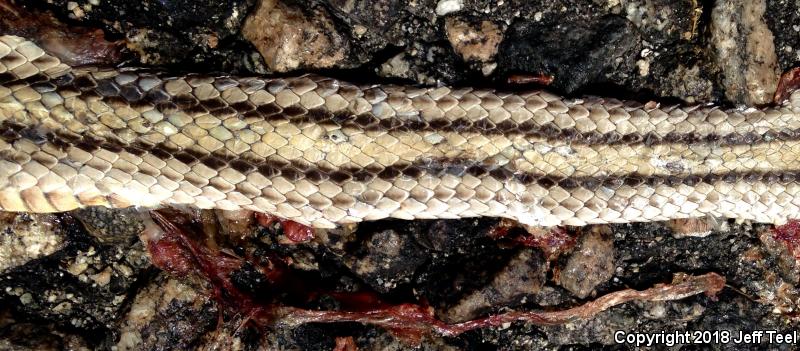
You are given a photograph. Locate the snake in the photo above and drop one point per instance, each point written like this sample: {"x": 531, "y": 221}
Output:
{"x": 324, "y": 152}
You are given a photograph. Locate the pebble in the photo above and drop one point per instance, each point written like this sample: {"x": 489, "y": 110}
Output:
{"x": 591, "y": 264}
{"x": 448, "y": 6}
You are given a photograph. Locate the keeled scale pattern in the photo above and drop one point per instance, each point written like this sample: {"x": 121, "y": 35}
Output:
{"x": 321, "y": 151}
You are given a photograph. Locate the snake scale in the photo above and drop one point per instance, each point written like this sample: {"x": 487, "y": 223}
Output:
{"x": 324, "y": 152}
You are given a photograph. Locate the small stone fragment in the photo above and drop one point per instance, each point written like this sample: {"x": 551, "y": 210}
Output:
{"x": 444, "y": 7}
{"x": 471, "y": 42}
{"x": 691, "y": 227}
{"x": 288, "y": 39}
{"x": 690, "y": 84}
{"x": 397, "y": 66}
{"x": 102, "y": 278}
{"x": 591, "y": 264}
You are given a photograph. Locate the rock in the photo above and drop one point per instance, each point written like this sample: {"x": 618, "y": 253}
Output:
{"x": 148, "y": 45}
{"x": 783, "y": 20}
{"x": 22, "y": 336}
{"x": 464, "y": 257}
{"x": 288, "y": 39}
{"x": 337, "y": 239}
{"x": 83, "y": 285}
{"x": 444, "y": 7}
{"x": 394, "y": 254}
{"x": 373, "y": 23}
{"x": 591, "y": 264}
{"x": 663, "y": 22}
{"x": 688, "y": 83}
{"x": 576, "y": 53}
{"x": 697, "y": 227}
{"x": 633, "y": 46}
{"x": 397, "y": 67}
{"x": 167, "y": 312}
{"x": 390, "y": 258}
{"x": 452, "y": 237}
{"x": 744, "y": 51}
{"x": 111, "y": 226}
{"x": 162, "y": 32}
{"x": 25, "y": 237}
{"x": 523, "y": 276}
{"x": 473, "y": 43}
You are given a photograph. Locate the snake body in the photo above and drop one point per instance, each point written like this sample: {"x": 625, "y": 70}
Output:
{"x": 324, "y": 152}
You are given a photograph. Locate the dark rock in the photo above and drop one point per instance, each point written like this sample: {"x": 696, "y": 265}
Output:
{"x": 646, "y": 252}
{"x": 783, "y": 20}
{"x": 390, "y": 258}
{"x": 111, "y": 227}
{"x": 575, "y": 53}
{"x": 21, "y": 336}
{"x": 464, "y": 259}
{"x": 452, "y": 237}
{"x": 741, "y": 314}
{"x": 162, "y": 32}
{"x": 167, "y": 312}
{"x": 85, "y": 285}
{"x": 372, "y": 23}
{"x": 522, "y": 277}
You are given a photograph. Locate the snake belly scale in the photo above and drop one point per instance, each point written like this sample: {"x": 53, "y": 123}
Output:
{"x": 324, "y": 152}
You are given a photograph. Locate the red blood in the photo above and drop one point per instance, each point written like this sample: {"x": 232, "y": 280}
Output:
{"x": 179, "y": 254}
{"x": 789, "y": 82}
{"x": 789, "y": 234}
{"x": 359, "y": 300}
{"x": 169, "y": 255}
{"x": 295, "y": 232}
{"x": 500, "y": 231}
{"x": 557, "y": 240}
{"x": 265, "y": 219}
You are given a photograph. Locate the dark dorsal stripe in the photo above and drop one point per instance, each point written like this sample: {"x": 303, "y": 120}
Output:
{"x": 130, "y": 94}
{"x": 296, "y": 170}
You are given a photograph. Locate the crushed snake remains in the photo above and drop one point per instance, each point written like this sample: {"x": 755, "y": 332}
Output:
{"x": 323, "y": 152}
